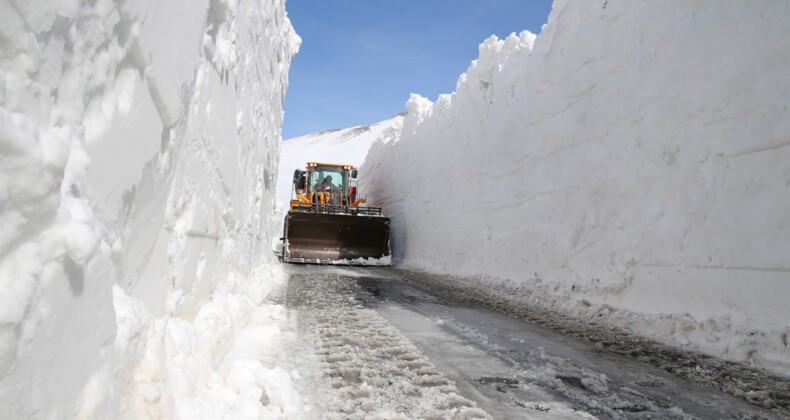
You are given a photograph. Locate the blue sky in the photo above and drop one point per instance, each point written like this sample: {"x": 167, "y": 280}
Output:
{"x": 360, "y": 59}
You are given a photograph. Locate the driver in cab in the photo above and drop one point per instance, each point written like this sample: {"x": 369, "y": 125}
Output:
{"x": 326, "y": 185}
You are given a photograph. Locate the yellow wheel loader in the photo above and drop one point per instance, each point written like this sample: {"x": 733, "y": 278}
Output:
{"x": 327, "y": 223}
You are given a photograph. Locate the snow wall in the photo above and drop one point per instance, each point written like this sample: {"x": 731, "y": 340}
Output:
{"x": 629, "y": 164}
{"x": 139, "y": 143}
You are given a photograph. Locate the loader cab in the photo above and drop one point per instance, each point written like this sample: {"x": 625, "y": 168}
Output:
{"x": 335, "y": 177}
{"x": 325, "y": 184}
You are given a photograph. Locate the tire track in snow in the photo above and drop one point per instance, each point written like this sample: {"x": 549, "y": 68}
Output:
{"x": 370, "y": 369}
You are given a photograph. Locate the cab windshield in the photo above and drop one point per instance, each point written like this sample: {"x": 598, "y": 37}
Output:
{"x": 328, "y": 178}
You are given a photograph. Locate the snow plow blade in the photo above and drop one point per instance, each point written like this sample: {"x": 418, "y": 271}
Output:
{"x": 346, "y": 239}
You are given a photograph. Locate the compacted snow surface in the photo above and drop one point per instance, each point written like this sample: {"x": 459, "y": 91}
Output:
{"x": 388, "y": 349}
{"x": 370, "y": 369}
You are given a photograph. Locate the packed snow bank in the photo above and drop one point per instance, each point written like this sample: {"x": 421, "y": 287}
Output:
{"x": 630, "y": 163}
{"x": 138, "y": 147}
{"x": 349, "y": 145}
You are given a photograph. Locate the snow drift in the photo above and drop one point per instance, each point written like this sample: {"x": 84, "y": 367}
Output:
{"x": 628, "y": 164}
{"x": 138, "y": 149}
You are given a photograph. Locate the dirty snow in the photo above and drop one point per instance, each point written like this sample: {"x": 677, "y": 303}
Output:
{"x": 370, "y": 370}
{"x": 671, "y": 377}
{"x": 386, "y": 347}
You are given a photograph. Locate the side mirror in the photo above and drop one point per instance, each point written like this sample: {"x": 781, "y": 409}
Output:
{"x": 298, "y": 176}
{"x": 353, "y": 174}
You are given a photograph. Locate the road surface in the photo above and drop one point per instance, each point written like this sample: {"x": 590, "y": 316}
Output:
{"x": 389, "y": 349}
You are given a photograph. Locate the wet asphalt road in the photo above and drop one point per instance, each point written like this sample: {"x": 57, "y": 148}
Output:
{"x": 505, "y": 367}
